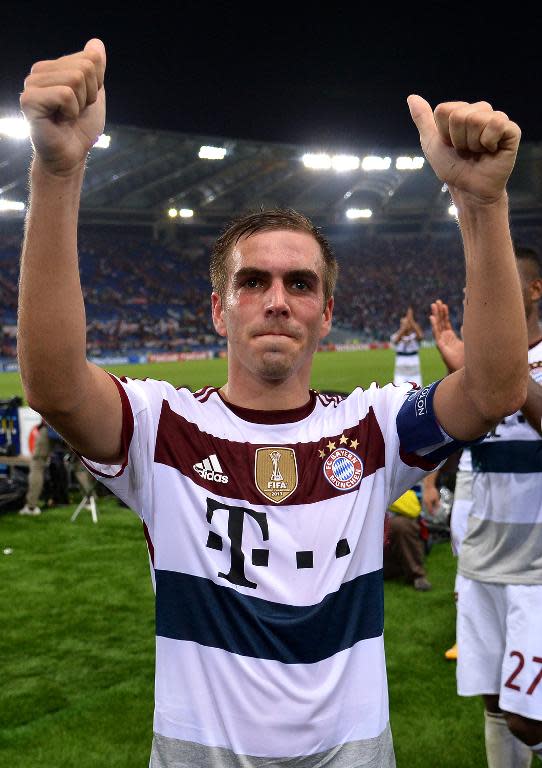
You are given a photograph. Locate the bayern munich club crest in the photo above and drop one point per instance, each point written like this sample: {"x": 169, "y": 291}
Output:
{"x": 343, "y": 469}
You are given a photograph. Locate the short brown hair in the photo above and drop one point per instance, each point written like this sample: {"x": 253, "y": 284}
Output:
{"x": 264, "y": 221}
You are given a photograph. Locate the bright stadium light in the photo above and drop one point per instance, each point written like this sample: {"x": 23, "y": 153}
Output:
{"x": 103, "y": 141}
{"x": 452, "y": 210}
{"x": 11, "y": 205}
{"x": 319, "y": 161}
{"x": 14, "y": 127}
{"x": 212, "y": 153}
{"x": 359, "y": 213}
{"x": 406, "y": 163}
{"x": 375, "y": 163}
{"x": 172, "y": 213}
{"x": 186, "y": 213}
{"x": 342, "y": 163}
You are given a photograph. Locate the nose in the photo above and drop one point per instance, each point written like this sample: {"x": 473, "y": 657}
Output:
{"x": 276, "y": 301}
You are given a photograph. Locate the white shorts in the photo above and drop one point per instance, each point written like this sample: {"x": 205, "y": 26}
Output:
{"x": 499, "y": 635}
{"x": 407, "y": 369}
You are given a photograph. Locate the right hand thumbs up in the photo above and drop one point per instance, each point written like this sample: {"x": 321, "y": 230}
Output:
{"x": 64, "y": 103}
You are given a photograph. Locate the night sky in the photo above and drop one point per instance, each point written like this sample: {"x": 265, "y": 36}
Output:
{"x": 277, "y": 72}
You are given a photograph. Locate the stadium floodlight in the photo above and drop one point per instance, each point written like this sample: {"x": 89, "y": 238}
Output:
{"x": 11, "y": 205}
{"x": 172, "y": 213}
{"x": 103, "y": 141}
{"x": 14, "y": 127}
{"x": 321, "y": 161}
{"x": 375, "y": 163}
{"x": 452, "y": 210}
{"x": 212, "y": 153}
{"x": 186, "y": 213}
{"x": 405, "y": 163}
{"x": 343, "y": 163}
{"x": 359, "y": 213}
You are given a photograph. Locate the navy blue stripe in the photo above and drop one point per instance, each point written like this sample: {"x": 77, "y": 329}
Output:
{"x": 406, "y": 354}
{"x": 522, "y": 456}
{"x": 196, "y": 609}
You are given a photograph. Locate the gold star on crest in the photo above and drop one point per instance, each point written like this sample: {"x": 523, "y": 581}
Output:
{"x": 321, "y": 454}
{"x": 331, "y": 446}
{"x": 354, "y": 444}
{"x": 343, "y": 440}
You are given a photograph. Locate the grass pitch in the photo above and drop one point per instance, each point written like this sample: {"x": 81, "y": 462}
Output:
{"x": 77, "y": 639}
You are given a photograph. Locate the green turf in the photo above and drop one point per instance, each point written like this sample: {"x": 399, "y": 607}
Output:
{"x": 331, "y": 370}
{"x": 77, "y": 645}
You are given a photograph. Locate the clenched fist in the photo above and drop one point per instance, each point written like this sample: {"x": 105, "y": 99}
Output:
{"x": 64, "y": 103}
{"x": 471, "y": 147}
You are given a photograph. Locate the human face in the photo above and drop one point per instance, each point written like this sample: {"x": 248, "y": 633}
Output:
{"x": 273, "y": 312}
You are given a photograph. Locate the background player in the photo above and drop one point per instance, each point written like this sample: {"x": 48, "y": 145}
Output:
{"x": 406, "y": 341}
{"x": 232, "y": 558}
{"x": 500, "y": 558}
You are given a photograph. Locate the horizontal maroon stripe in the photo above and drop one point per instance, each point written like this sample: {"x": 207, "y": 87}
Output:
{"x": 180, "y": 444}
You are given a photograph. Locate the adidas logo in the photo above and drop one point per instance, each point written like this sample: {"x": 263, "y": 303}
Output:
{"x": 210, "y": 469}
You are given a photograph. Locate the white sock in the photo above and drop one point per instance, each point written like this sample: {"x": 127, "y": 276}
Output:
{"x": 537, "y": 750}
{"x": 503, "y": 750}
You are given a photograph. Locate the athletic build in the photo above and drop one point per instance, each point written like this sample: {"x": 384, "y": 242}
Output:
{"x": 499, "y": 581}
{"x": 272, "y": 299}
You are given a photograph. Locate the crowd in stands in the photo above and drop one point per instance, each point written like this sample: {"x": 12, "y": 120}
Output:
{"x": 143, "y": 297}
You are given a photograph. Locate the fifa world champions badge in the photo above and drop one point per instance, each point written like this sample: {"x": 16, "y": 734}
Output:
{"x": 343, "y": 469}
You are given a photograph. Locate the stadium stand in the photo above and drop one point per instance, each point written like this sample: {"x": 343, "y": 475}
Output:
{"x": 145, "y": 274}
{"x": 143, "y": 297}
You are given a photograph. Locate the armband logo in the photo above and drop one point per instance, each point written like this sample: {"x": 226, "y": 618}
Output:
{"x": 421, "y": 402}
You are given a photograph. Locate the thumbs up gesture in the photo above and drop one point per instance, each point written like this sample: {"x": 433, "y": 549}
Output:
{"x": 64, "y": 103}
{"x": 471, "y": 147}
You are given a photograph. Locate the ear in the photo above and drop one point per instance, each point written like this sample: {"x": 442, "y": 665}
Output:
{"x": 535, "y": 289}
{"x": 327, "y": 318}
{"x": 218, "y": 314}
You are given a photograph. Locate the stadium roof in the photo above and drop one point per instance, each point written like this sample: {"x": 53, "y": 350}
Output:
{"x": 145, "y": 173}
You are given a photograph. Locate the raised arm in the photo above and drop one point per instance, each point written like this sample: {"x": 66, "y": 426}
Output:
{"x": 414, "y": 325}
{"x": 472, "y": 149}
{"x": 403, "y": 330}
{"x": 64, "y": 103}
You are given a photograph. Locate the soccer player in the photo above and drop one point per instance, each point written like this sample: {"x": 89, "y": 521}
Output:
{"x": 263, "y": 502}
{"x": 406, "y": 341}
{"x": 499, "y": 584}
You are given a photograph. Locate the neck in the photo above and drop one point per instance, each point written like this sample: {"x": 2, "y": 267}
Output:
{"x": 250, "y": 392}
{"x": 534, "y": 331}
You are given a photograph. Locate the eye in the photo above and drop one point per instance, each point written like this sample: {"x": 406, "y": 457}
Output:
{"x": 300, "y": 285}
{"x": 251, "y": 282}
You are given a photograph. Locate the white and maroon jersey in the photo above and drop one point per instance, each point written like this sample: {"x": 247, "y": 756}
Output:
{"x": 265, "y": 532}
{"x": 503, "y": 543}
{"x": 465, "y": 461}
{"x": 407, "y": 344}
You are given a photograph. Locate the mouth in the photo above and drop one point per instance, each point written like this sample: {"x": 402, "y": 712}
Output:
{"x": 275, "y": 335}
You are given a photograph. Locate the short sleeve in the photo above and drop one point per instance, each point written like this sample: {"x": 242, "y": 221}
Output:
{"x": 416, "y": 444}
{"x": 132, "y": 480}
